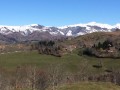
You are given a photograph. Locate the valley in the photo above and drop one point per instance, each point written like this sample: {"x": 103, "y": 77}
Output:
{"x": 59, "y": 45}
{"x": 66, "y": 63}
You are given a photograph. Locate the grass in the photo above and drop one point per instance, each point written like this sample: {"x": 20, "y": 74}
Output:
{"x": 90, "y": 86}
{"x": 87, "y": 86}
{"x": 71, "y": 62}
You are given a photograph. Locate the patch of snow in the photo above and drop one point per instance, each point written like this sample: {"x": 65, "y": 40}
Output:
{"x": 100, "y": 25}
{"x": 80, "y": 33}
{"x": 117, "y": 26}
{"x": 89, "y": 24}
{"x": 69, "y": 33}
{"x": 61, "y": 33}
{"x": 53, "y": 33}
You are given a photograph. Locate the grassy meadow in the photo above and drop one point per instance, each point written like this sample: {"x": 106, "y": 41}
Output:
{"x": 70, "y": 62}
{"x": 90, "y": 86}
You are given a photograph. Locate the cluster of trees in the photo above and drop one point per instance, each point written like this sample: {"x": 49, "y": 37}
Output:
{"x": 105, "y": 45}
{"x": 48, "y": 47}
{"x": 104, "y": 49}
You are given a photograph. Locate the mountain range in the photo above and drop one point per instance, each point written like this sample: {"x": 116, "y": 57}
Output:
{"x": 40, "y": 32}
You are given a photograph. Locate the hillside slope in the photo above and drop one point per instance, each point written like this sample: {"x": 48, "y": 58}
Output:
{"x": 93, "y": 38}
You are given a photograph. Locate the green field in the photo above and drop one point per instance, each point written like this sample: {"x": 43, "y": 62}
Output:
{"x": 71, "y": 62}
{"x": 90, "y": 86}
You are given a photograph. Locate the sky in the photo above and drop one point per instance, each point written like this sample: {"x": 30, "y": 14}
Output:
{"x": 58, "y": 12}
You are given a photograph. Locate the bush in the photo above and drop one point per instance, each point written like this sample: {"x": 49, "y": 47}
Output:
{"x": 87, "y": 51}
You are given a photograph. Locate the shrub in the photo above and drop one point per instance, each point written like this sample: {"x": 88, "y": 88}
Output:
{"x": 87, "y": 51}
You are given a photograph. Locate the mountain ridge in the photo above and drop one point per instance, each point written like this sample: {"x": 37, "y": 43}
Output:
{"x": 40, "y": 32}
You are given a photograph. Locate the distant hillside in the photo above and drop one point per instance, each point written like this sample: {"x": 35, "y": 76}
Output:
{"x": 94, "y": 38}
{"x": 99, "y": 44}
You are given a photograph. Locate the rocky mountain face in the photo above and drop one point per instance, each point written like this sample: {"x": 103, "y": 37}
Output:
{"x": 40, "y": 32}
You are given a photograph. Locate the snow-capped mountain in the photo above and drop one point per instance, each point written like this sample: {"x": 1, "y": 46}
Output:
{"x": 81, "y": 29}
{"x": 38, "y": 32}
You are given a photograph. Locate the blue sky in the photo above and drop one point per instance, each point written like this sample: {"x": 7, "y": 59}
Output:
{"x": 58, "y": 12}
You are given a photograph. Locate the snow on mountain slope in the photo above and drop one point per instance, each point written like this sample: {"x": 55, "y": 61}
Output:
{"x": 90, "y": 24}
{"x": 69, "y": 33}
{"x": 81, "y": 29}
{"x": 70, "y": 30}
{"x": 117, "y": 26}
{"x": 22, "y": 29}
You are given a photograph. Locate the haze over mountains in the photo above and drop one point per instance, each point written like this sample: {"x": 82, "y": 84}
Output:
{"x": 40, "y": 32}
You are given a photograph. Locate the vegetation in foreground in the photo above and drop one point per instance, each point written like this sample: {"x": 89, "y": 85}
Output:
{"x": 34, "y": 71}
{"x": 90, "y": 86}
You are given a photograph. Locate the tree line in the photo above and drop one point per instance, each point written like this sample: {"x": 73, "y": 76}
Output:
{"x": 48, "y": 47}
{"x": 105, "y": 49}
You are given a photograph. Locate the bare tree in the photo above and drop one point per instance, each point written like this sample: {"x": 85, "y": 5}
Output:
{"x": 55, "y": 75}
{"x": 42, "y": 80}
